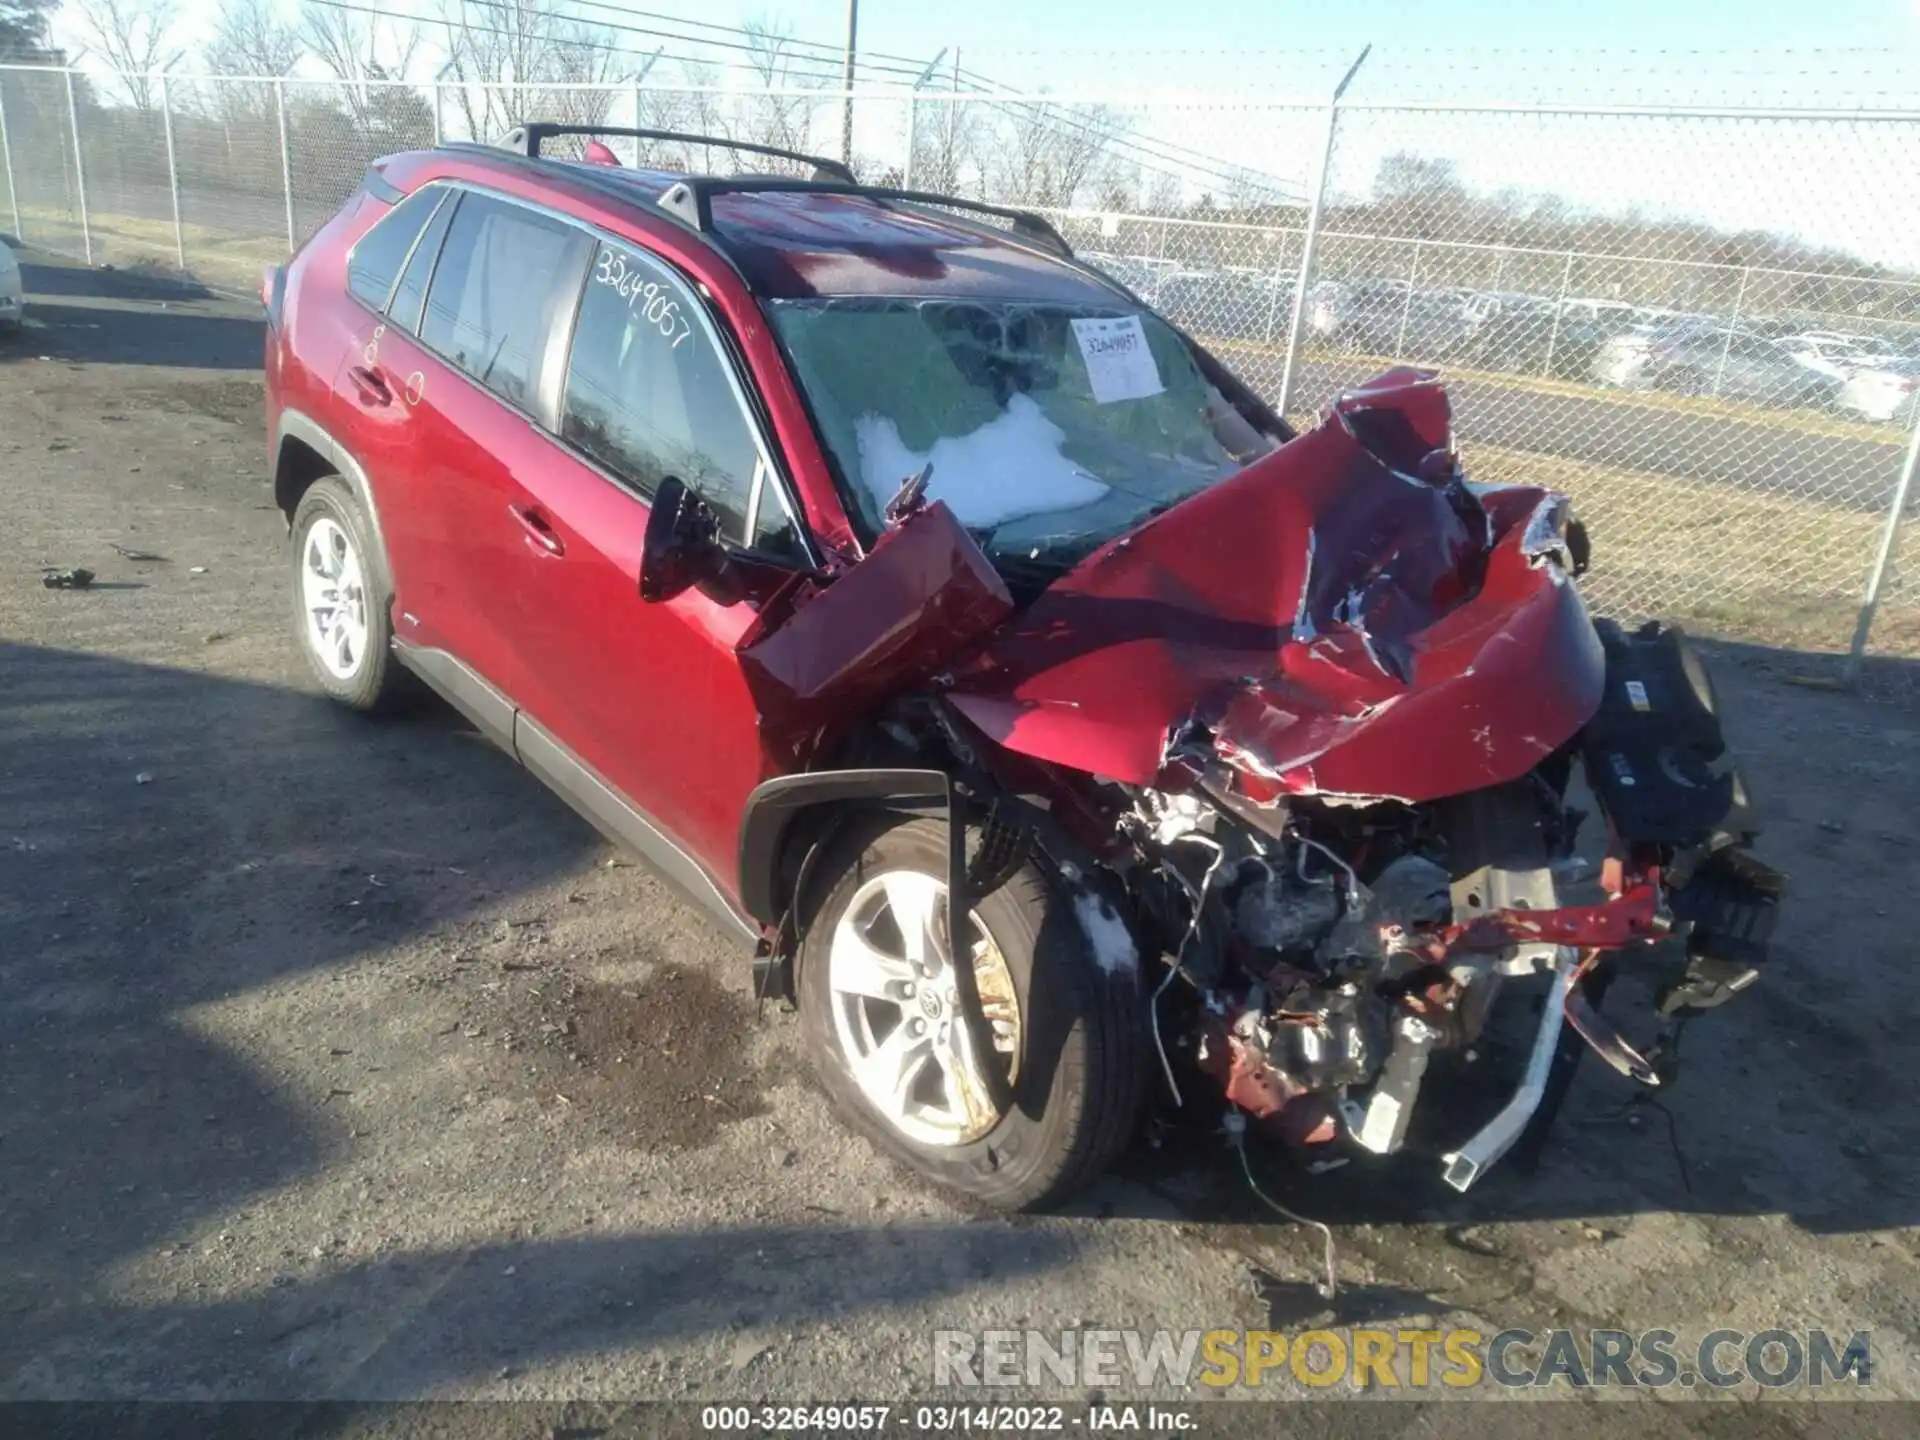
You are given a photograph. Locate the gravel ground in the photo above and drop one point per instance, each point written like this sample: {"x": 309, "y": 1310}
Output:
{"x": 339, "y": 1059}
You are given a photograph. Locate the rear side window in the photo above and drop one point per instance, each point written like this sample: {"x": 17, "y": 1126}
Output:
{"x": 491, "y": 304}
{"x": 376, "y": 260}
{"x": 410, "y": 294}
{"x": 649, "y": 395}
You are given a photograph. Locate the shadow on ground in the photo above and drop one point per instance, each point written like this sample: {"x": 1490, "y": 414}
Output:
{"x": 239, "y": 861}
{"x": 120, "y": 318}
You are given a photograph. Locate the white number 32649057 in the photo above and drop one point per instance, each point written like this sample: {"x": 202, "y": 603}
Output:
{"x": 648, "y": 299}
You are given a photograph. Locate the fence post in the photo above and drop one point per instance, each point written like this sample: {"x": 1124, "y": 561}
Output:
{"x": 906, "y": 173}
{"x": 1559, "y": 309}
{"x": 1273, "y": 294}
{"x": 1733, "y": 323}
{"x": 437, "y": 122}
{"x": 6, "y": 149}
{"x": 173, "y": 174}
{"x": 1406, "y": 306}
{"x": 79, "y": 172}
{"x": 1889, "y": 537}
{"x": 1311, "y": 242}
{"x": 286, "y": 157}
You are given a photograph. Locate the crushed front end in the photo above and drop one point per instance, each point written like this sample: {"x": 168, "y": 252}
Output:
{"x": 1322, "y": 953}
{"x": 1348, "y": 709}
{"x": 1326, "y": 735}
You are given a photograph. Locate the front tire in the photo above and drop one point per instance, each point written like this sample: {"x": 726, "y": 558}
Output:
{"x": 342, "y": 600}
{"x": 877, "y": 1017}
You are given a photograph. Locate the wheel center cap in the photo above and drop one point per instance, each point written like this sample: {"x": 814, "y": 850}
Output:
{"x": 929, "y": 1003}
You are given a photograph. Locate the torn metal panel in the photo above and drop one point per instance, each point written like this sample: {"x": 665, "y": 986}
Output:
{"x": 818, "y": 657}
{"x": 1331, "y": 626}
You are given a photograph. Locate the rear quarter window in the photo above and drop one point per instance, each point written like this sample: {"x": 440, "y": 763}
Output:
{"x": 376, "y": 259}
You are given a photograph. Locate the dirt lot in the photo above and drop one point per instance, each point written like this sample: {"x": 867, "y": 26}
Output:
{"x": 339, "y": 1059}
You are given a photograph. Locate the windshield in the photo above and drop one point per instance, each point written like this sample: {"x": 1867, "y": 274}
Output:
{"x": 1050, "y": 428}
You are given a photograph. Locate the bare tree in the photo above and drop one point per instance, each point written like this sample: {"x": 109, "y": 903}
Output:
{"x": 362, "y": 52}
{"x": 23, "y": 28}
{"x": 943, "y": 139}
{"x": 250, "y": 38}
{"x": 134, "y": 37}
{"x": 694, "y": 109}
{"x": 1046, "y": 152}
{"x": 783, "y": 120}
{"x": 509, "y": 54}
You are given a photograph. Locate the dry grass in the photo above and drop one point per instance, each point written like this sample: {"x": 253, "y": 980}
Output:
{"x": 1770, "y": 569}
{"x": 215, "y": 256}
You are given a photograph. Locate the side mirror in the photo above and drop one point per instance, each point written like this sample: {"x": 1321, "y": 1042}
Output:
{"x": 682, "y": 545}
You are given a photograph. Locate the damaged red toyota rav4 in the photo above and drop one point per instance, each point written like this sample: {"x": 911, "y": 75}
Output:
{"x": 1055, "y": 722}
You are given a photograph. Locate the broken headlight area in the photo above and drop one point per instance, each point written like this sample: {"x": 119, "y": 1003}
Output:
{"x": 1322, "y": 952}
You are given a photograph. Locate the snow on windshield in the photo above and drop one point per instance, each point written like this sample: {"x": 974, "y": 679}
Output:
{"x": 1011, "y": 466}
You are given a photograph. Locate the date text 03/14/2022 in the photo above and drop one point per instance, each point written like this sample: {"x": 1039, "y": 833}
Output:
{"x": 944, "y": 1419}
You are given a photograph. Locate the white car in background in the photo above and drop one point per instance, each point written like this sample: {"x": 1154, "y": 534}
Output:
{"x": 13, "y": 302}
{"x": 1836, "y": 354}
{"x": 1882, "y": 391}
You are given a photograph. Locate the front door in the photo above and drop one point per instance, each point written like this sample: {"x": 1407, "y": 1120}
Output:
{"x": 650, "y": 696}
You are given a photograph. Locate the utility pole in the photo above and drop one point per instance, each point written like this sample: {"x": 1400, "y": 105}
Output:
{"x": 846, "y": 82}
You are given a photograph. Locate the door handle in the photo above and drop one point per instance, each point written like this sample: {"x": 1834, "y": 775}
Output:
{"x": 373, "y": 389}
{"x": 540, "y": 531}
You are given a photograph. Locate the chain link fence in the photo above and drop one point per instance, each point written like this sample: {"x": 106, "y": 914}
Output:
{"x": 1702, "y": 324}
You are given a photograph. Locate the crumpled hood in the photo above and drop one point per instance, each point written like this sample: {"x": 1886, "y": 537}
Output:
{"x": 1324, "y": 622}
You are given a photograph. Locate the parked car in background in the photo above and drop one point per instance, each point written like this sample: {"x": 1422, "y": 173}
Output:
{"x": 1224, "y": 304}
{"x": 1882, "y": 391}
{"x": 1711, "y": 360}
{"x": 1835, "y": 354}
{"x": 1531, "y": 335}
{"x": 1392, "y": 318}
{"x": 13, "y": 302}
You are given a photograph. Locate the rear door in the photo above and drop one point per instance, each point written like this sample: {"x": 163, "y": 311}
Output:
{"x": 468, "y": 357}
{"x": 649, "y": 696}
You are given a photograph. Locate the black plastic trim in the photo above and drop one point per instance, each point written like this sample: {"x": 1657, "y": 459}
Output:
{"x": 690, "y": 200}
{"x": 527, "y": 139}
{"x": 382, "y": 189}
{"x": 462, "y": 687}
{"x": 610, "y": 812}
{"x": 775, "y": 804}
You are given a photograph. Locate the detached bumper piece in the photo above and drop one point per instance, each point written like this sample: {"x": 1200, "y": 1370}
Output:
{"x": 1729, "y": 904}
{"x": 1658, "y": 764}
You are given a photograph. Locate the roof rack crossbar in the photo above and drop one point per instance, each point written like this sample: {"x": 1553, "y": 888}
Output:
{"x": 527, "y": 139}
{"x": 691, "y": 200}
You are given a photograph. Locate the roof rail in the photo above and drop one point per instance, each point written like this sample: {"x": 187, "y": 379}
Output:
{"x": 526, "y": 140}
{"x": 691, "y": 200}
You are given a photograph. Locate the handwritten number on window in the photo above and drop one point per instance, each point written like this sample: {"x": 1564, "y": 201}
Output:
{"x": 649, "y": 299}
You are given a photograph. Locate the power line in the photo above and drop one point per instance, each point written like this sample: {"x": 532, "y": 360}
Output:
{"x": 1169, "y": 152}
{"x": 1191, "y": 162}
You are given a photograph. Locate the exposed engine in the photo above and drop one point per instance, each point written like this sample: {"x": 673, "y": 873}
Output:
{"x": 1320, "y": 953}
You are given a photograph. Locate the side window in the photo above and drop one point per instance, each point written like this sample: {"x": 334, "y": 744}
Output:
{"x": 648, "y": 396}
{"x": 411, "y": 293}
{"x": 490, "y": 308}
{"x": 379, "y": 254}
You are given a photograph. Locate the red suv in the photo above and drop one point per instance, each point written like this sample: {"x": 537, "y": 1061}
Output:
{"x": 884, "y": 574}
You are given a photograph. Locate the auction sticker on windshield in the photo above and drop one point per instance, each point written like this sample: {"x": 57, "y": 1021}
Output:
{"x": 1119, "y": 364}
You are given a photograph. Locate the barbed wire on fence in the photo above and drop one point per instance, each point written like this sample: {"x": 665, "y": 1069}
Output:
{"x": 1701, "y": 322}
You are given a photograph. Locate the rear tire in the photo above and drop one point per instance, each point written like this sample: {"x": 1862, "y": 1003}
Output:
{"x": 1078, "y": 1063}
{"x": 342, "y": 599}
